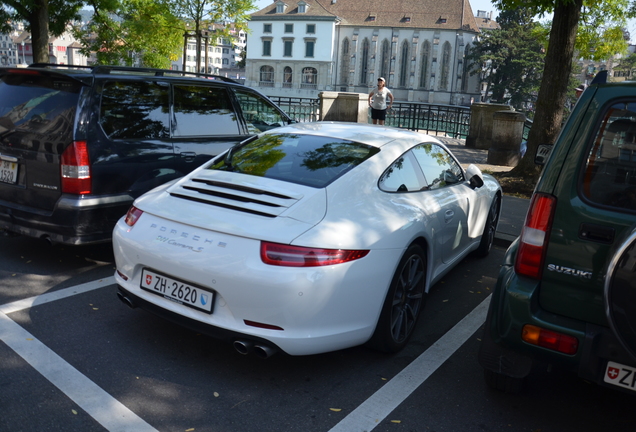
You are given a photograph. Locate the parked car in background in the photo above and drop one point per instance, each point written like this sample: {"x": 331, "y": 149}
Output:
{"x": 79, "y": 144}
{"x": 311, "y": 238}
{"x": 566, "y": 294}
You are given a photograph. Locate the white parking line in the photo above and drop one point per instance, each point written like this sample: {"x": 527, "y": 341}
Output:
{"x": 105, "y": 409}
{"x": 55, "y": 295}
{"x": 375, "y": 409}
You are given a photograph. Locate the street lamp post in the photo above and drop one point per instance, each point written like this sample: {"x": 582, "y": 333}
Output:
{"x": 23, "y": 58}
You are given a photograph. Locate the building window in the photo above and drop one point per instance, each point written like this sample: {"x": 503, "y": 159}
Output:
{"x": 345, "y": 63}
{"x": 446, "y": 63}
{"x": 289, "y": 28}
{"x": 385, "y": 59}
{"x": 311, "y": 28}
{"x": 267, "y": 47}
{"x": 426, "y": 50}
{"x": 404, "y": 64}
{"x": 364, "y": 62}
{"x": 466, "y": 70}
{"x": 287, "y": 77}
{"x": 302, "y": 7}
{"x": 309, "y": 78}
{"x": 266, "y": 76}
{"x": 280, "y": 7}
{"x": 267, "y": 28}
{"x": 225, "y": 61}
{"x": 288, "y": 46}
{"x": 309, "y": 47}
{"x": 226, "y": 51}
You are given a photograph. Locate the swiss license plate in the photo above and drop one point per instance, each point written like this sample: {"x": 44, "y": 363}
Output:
{"x": 178, "y": 291}
{"x": 620, "y": 375}
{"x": 8, "y": 172}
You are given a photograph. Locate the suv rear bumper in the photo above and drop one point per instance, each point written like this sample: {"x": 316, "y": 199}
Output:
{"x": 75, "y": 220}
{"x": 515, "y": 303}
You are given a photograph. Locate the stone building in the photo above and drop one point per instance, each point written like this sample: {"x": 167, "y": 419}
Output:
{"x": 299, "y": 48}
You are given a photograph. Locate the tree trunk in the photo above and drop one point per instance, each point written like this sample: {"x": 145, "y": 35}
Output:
{"x": 40, "y": 31}
{"x": 554, "y": 85}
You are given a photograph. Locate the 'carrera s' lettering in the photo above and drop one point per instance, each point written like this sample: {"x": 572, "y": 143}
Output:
{"x": 570, "y": 271}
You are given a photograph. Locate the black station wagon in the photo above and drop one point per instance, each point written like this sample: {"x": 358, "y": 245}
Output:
{"x": 79, "y": 144}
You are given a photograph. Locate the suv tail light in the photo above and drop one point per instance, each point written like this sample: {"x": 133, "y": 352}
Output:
{"x": 296, "y": 256}
{"x": 534, "y": 236}
{"x": 76, "y": 169}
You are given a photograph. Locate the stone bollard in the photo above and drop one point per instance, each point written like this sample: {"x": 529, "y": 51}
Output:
{"x": 507, "y": 134}
{"x": 345, "y": 107}
{"x": 480, "y": 129}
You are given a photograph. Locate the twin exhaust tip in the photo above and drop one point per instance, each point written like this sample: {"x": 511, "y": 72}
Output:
{"x": 247, "y": 347}
{"x": 243, "y": 347}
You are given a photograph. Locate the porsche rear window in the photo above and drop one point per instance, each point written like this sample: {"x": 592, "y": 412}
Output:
{"x": 308, "y": 160}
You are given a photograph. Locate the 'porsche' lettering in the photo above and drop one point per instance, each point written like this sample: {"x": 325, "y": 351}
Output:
{"x": 570, "y": 271}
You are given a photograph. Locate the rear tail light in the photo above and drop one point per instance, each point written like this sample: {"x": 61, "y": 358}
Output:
{"x": 562, "y": 343}
{"x": 76, "y": 169}
{"x": 296, "y": 256}
{"x": 133, "y": 216}
{"x": 535, "y": 235}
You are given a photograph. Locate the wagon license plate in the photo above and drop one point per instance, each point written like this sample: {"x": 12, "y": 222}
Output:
{"x": 8, "y": 172}
{"x": 620, "y": 375}
{"x": 177, "y": 291}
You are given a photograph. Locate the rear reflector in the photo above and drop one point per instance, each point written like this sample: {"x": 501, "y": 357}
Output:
{"x": 76, "y": 169}
{"x": 562, "y": 343}
{"x": 534, "y": 236}
{"x": 296, "y": 256}
{"x": 262, "y": 325}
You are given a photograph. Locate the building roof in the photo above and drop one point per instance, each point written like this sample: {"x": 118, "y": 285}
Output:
{"x": 429, "y": 14}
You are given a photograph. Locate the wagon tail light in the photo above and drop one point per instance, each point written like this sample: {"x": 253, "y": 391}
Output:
{"x": 535, "y": 234}
{"x": 296, "y": 256}
{"x": 76, "y": 169}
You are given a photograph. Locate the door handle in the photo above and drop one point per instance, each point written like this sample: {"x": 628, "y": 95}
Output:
{"x": 188, "y": 156}
{"x": 448, "y": 216}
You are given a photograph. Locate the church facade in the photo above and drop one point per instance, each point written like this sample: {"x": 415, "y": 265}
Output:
{"x": 418, "y": 46}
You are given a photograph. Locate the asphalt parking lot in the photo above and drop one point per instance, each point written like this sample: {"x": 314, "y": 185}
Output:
{"x": 75, "y": 358}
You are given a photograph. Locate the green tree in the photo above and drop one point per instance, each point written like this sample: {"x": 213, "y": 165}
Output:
{"x": 197, "y": 13}
{"x": 511, "y": 58}
{"x": 42, "y": 18}
{"x": 126, "y": 31}
{"x": 552, "y": 97}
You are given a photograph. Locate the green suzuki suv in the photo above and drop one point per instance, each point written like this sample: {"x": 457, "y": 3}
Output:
{"x": 566, "y": 293}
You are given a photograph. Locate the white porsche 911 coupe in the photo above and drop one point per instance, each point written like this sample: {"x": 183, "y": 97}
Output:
{"x": 309, "y": 238}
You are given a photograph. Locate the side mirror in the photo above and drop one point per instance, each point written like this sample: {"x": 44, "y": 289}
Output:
{"x": 475, "y": 177}
{"x": 542, "y": 154}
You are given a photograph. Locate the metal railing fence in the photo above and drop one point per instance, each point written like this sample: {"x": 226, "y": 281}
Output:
{"x": 448, "y": 120}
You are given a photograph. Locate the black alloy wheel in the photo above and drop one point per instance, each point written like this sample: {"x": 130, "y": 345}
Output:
{"x": 490, "y": 228}
{"x": 403, "y": 302}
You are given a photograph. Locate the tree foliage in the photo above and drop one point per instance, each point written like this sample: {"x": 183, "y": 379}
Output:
{"x": 130, "y": 31}
{"x": 511, "y": 58}
{"x": 42, "y": 18}
{"x": 568, "y": 15}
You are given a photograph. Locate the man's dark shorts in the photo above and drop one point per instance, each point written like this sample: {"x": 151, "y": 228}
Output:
{"x": 377, "y": 114}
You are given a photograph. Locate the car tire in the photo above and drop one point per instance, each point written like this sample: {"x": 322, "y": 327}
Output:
{"x": 404, "y": 301}
{"x": 620, "y": 295}
{"x": 504, "y": 383}
{"x": 490, "y": 228}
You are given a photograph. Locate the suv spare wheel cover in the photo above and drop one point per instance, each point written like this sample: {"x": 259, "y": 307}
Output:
{"x": 620, "y": 293}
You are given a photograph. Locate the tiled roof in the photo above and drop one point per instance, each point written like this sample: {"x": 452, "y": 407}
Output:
{"x": 430, "y": 14}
